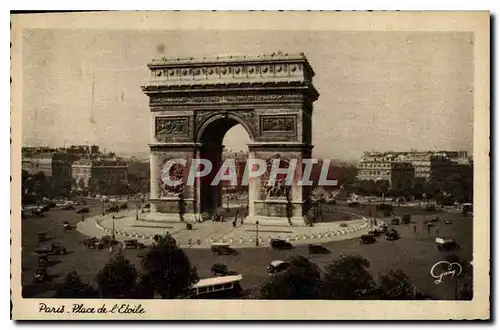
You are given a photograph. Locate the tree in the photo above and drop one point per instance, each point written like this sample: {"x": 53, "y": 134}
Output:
{"x": 117, "y": 279}
{"x": 395, "y": 285}
{"x": 73, "y": 287}
{"x": 348, "y": 278}
{"x": 168, "y": 268}
{"x": 302, "y": 280}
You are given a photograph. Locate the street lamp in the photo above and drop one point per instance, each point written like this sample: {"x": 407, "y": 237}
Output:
{"x": 113, "y": 227}
{"x": 257, "y": 233}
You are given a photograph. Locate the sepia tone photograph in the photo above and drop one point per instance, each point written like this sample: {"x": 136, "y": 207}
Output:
{"x": 235, "y": 165}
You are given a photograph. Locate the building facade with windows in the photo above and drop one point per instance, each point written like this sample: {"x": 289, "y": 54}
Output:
{"x": 424, "y": 165}
{"x": 55, "y": 166}
{"x": 100, "y": 176}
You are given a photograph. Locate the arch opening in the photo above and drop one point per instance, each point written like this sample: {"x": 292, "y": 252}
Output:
{"x": 224, "y": 142}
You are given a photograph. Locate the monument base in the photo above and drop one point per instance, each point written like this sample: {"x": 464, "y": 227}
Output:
{"x": 169, "y": 217}
{"x": 275, "y": 221}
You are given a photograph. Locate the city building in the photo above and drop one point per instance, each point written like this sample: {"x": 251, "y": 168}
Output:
{"x": 379, "y": 165}
{"x": 103, "y": 176}
{"x": 55, "y": 166}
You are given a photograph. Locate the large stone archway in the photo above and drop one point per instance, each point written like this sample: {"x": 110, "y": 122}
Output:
{"x": 194, "y": 102}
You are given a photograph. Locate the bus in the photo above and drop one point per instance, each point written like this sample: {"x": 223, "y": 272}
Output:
{"x": 217, "y": 287}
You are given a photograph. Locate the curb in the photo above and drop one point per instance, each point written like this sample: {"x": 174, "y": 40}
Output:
{"x": 241, "y": 241}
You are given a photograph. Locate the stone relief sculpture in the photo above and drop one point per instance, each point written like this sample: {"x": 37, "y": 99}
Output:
{"x": 170, "y": 126}
{"x": 278, "y": 123}
{"x": 176, "y": 173}
{"x": 277, "y": 189}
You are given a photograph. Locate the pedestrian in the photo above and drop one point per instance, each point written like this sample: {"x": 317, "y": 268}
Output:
{"x": 428, "y": 229}
{"x": 414, "y": 228}
{"x": 234, "y": 223}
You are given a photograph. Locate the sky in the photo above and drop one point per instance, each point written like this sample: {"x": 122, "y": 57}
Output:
{"x": 378, "y": 90}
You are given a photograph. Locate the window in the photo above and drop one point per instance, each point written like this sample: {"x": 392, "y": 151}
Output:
{"x": 218, "y": 287}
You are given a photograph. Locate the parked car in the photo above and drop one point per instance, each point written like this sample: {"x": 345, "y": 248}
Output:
{"x": 318, "y": 249}
{"x": 91, "y": 242}
{"x": 123, "y": 206}
{"x": 395, "y": 221}
{"x": 40, "y": 275}
{"x": 83, "y": 210}
{"x": 222, "y": 249}
{"x": 38, "y": 212}
{"x": 220, "y": 270}
{"x": 446, "y": 243}
{"x": 43, "y": 260}
{"x": 133, "y": 244}
{"x": 112, "y": 209}
{"x": 447, "y": 221}
{"x": 383, "y": 228}
{"x": 392, "y": 235}
{"x": 54, "y": 248}
{"x": 367, "y": 239}
{"x": 374, "y": 232}
{"x": 68, "y": 207}
{"x": 106, "y": 241}
{"x": 277, "y": 266}
{"x": 280, "y": 244}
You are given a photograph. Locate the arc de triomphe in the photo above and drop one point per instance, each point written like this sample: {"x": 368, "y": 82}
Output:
{"x": 194, "y": 102}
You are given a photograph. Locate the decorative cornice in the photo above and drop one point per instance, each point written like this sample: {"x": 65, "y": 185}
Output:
{"x": 280, "y": 67}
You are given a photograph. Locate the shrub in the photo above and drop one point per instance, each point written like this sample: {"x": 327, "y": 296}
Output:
{"x": 343, "y": 225}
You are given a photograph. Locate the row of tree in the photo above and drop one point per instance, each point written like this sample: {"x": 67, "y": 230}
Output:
{"x": 346, "y": 278}
{"x": 166, "y": 273}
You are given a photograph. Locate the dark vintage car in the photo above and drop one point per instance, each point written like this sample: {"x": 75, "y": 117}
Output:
{"x": 123, "y": 206}
{"x": 133, "y": 244}
{"x": 374, "y": 232}
{"x": 40, "y": 275}
{"x": 353, "y": 204}
{"x": 383, "y": 228}
{"x": 91, "y": 243}
{"x": 43, "y": 260}
{"x": 68, "y": 207}
{"x": 280, "y": 244}
{"x": 318, "y": 249}
{"x": 395, "y": 221}
{"x": 38, "y": 212}
{"x": 277, "y": 266}
{"x": 112, "y": 209}
{"x": 392, "y": 235}
{"x": 367, "y": 239}
{"x": 220, "y": 270}
{"x": 54, "y": 248}
{"x": 446, "y": 244}
{"x": 222, "y": 249}
{"x": 67, "y": 225}
{"x": 436, "y": 219}
{"x": 83, "y": 210}
{"x": 447, "y": 221}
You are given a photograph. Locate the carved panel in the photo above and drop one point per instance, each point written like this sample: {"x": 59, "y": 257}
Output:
{"x": 221, "y": 99}
{"x": 171, "y": 126}
{"x": 246, "y": 116}
{"x": 278, "y": 124}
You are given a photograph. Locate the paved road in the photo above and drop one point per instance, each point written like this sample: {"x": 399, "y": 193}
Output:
{"x": 413, "y": 254}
